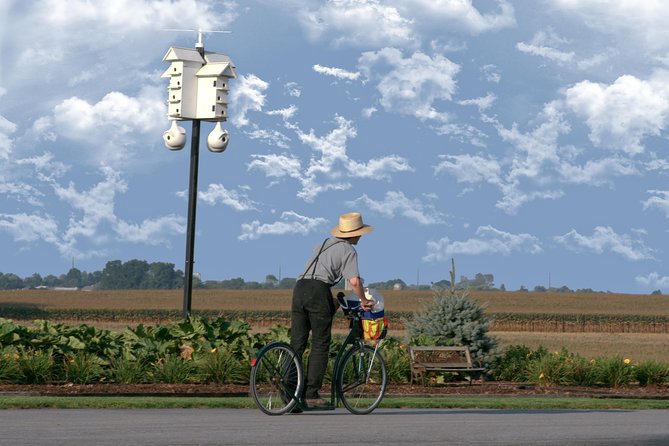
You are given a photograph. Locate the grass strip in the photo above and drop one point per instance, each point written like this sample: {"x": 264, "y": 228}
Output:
{"x": 441, "y": 402}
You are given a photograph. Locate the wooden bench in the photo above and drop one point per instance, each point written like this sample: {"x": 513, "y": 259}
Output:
{"x": 441, "y": 359}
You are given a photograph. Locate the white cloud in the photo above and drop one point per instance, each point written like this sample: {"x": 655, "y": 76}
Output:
{"x": 483, "y": 103}
{"x": 622, "y": 114}
{"x": 330, "y": 168}
{"x": 6, "y": 142}
{"x": 92, "y": 219}
{"x": 339, "y": 73}
{"x": 488, "y": 240}
{"x": 461, "y": 14}
{"x": 293, "y": 89}
{"x": 543, "y": 45}
{"x": 111, "y": 128}
{"x": 368, "y": 23}
{"x": 644, "y": 24}
{"x": 491, "y": 74}
{"x": 653, "y": 280}
{"x": 290, "y": 223}
{"x": 470, "y": 168}
{"x": 604, "y": 238}
{"x": 396, "y": 203}
{"x": 659, "y": 200}
{"x": 248, "y": 95}
{"x": 413, "y": 85}
{"x": 217, "y": 193}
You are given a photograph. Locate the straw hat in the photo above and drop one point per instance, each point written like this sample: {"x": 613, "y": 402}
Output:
{"x": 350, "y": 225}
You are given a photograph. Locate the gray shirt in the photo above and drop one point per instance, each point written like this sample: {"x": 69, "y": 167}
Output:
{"x": 337, "y": 259}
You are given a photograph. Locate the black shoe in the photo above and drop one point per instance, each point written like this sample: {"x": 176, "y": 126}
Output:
{"x": 317, "y": 403}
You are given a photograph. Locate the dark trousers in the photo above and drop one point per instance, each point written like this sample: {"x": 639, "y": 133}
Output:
{"x": 312, "y": 310}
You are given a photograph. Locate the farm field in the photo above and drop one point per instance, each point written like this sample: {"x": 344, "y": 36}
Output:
{"x": 611, "y": 338}
{"x": 279, "y": 300}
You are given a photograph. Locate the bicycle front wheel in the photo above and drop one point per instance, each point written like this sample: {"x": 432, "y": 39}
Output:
{"x": 276, "y": 379}
{"x": 361, "y": 380}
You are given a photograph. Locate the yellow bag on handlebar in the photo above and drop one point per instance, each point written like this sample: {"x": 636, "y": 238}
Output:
{"x": 374, "y": 326}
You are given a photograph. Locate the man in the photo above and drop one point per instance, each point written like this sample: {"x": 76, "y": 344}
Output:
{"x": 313, "y": 305}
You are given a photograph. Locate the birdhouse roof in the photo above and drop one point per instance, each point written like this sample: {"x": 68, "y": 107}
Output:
{"x": 183, "y": 54}
{"x": 216, "y": 69}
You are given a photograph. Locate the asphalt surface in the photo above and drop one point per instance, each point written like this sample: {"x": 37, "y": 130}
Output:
{"x": 385, "y": 427}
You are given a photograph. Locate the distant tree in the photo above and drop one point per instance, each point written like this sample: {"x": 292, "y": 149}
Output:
{"x": 160, "y": 275}
{"x": 657, "y": 293}
{"x": 33, "y": 281}
{"x": 540, "y": 289}
{"x": 271, "y": 281}
{"x": 502, "y": 287}
{"x": 287, "y": 282}
{"x": 233, "y": 284}
{"x": 443, "y": 284}
{"x": 51, "y": 281}
{"x": 388, "y": 284}
{"x": 10, "y": 281}
{"x": 72, "y": 278}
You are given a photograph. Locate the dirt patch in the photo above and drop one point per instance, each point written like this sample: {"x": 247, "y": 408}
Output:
{"x": 221, "y": 390}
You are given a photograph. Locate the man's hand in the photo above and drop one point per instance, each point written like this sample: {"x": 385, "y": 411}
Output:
{"x": 367, "y": 304}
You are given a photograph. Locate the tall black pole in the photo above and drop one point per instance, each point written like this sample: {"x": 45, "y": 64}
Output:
{"x": 192, "y": 204}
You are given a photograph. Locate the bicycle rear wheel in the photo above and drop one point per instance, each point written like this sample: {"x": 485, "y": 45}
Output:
{"x": 361, "y": 380}
{"x": 276, "y": 379}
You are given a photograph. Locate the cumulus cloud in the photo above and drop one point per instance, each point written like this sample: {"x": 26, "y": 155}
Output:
{"x": 659, "y": 200}
{"x": 357, "y": 23}
{"x": 487, "y": 240}
{"x": 6, "y": 129}
{"x": 461, "y": 14}
{"x": 622, "y": 114}
{"x": 603, "y": 239}
{"x": 330, "y": 168}
{"x": 412, "y": 85}
{"x": 289, "y": 223}
{"x": 248, "y": 95}
{"x": 217, "y": 193}
{"x": 396, "y": 203}
{"x": 653, "y": 280}
{"x": 339, "y": 73}
{"x": 644, "y": 24}
{"x": 92, "y": 220}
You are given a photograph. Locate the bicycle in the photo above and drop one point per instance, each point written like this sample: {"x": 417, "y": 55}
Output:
{"x": 359, "y": 375}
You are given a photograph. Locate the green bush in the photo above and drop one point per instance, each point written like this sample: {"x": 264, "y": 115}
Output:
{"x": 9, "y": 368}
{"x": 35, "y": 367}
{"x": 552, "y": 369}
{"x": 83, "y": 368}
{"x": 397, "y": 361}
{"x": 451, "y": 318}
{"x": 174, "y": 370}
{"x": 614, "y": 371}
{"x": 514, "y": 362}
{"x": 128, "y": 371}
{"x": 651, "y": 372}
{"x": 220, "y": 366}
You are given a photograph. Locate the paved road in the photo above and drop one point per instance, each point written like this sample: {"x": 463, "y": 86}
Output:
{"x": 47, "y": 427}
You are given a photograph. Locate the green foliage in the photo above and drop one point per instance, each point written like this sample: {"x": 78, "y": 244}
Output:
{"x": 128, "y": 371}
{"x": 35, "y": 366}
{"x": 9, "y": 367}
{"x": 174, "y": 369}
{"x": 552, "y": 369}
{"x": 513, "y": 364}
{"x": 615, "y": 371}
{"x": 451, "y": 318}
{"x": 397, "y": 361}
{"x": 83, "y": 368}
{"x": 651, "y": 372}
{"x": 221, "y": 366}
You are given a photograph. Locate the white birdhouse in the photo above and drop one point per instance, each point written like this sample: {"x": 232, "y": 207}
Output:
{"x": 198, "y": 87}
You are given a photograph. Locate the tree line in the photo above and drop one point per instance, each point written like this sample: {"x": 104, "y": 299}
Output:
{"x": 140, "y": 274}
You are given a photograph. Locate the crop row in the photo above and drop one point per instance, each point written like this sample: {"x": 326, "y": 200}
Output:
{"x": 527, "y": 322}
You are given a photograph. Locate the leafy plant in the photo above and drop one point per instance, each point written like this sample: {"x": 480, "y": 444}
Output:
{"x": 615, "y": 371}
{"x": 174, "y": 370}
{"x": 9, "y": 367}
{"x": 35, "y": 366}
{"x": 83, "y": 368}
{"x": 220, "y": 366}
{"x": 651, "y": 372}
{"x": 514, "y": 362}
{"x": 128, "y": 371}
{"x": 397, "y": 361}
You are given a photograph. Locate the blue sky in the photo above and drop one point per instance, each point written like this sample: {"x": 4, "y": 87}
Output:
{"x": 523, "y": 139}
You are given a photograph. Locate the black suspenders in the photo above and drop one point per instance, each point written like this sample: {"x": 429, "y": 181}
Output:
{"x": 315, "y": 261}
